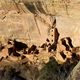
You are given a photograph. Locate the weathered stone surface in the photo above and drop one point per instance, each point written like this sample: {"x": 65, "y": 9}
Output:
{"x": 18, "y": 21}
{"x": 75, "y": 73}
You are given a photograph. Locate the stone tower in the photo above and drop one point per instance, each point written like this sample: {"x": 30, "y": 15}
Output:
{"x": 54, "y": 34}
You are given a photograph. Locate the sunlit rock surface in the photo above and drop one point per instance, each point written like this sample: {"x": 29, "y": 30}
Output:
{"x": 17, "y": 19}
{"x": 75, "y": 73}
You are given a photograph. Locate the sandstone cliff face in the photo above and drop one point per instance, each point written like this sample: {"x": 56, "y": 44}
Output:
{"x": 17, "y": 19}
